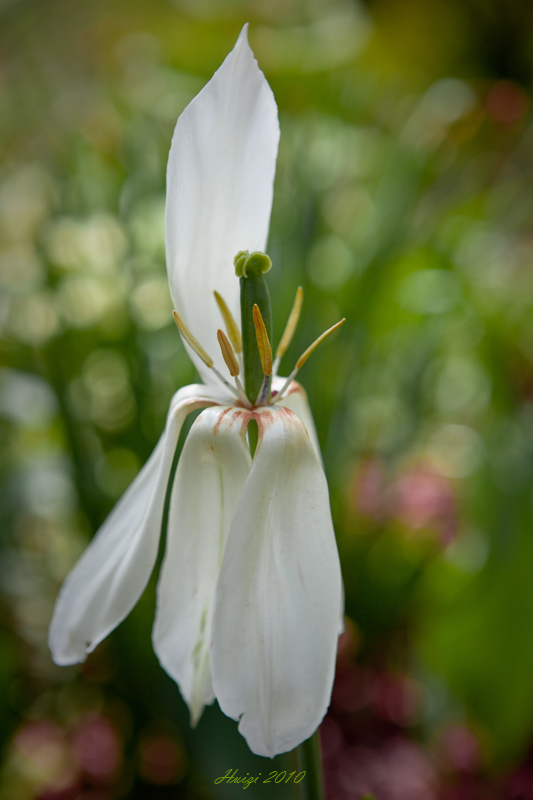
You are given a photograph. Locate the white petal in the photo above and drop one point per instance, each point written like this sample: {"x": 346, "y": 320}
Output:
{"x": 212, "y": 469}
{"x": 278, "y": 595}
{"x": 296, "y": 400}
{"x": 220, "y": 179}
{"x": 111, "y": 575}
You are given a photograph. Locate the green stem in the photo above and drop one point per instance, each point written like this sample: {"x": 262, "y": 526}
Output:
{"x": 310, "y": 760}
{"x": 253, "y": 436}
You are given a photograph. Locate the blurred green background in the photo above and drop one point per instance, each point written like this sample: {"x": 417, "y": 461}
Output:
{"x": 403, "y": 202}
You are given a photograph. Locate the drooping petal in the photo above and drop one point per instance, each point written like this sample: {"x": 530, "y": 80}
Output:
{"x": 111, "y": 575}
{"x": 278, "y": 595}
{"x": 219, "y": 192}
{"x": 212, "y": 469}
{"x": 296, "y": 400}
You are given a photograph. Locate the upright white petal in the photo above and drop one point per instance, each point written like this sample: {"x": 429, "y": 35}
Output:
{"x": 296, "y": 400}
{"x": 111, "y": 575}
{"x": 212, "y": 469}
{"x": 220, "y": 179}
{"x": 278, "y": 595}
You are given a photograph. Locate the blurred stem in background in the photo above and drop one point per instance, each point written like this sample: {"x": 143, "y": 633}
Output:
{"x": 310, "y": 760}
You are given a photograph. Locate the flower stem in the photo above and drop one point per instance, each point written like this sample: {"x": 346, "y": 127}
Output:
{"x": 253, "y": 436}
{"x": 310, "y": 760}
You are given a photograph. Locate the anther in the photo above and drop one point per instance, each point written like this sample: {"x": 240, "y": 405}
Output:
{"x": 305, "y": 355}
{"x": 199, "y": 350}
{"x": 312, "y": 347}
{"x": 228, "y": 354}
{"x": 232, "y": 364}
{"x": 191, "y": 341}
{"x": 231, "y": 326}
{"x": 263, "y": 344}
{"x": 290, "y": 327}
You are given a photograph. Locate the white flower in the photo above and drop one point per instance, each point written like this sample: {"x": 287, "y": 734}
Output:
{"x": 249, "y": 597}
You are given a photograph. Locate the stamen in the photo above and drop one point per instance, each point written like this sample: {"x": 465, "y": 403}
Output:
{"x": 264, "y": 392}
{"x": 290, "y": 327}
{"x": 199, "y": 350}
{"x": 312, "y": 347}
{"x": 191, "y": 341}
{"x": 228, "y": 354}
{"x": 285, "y": 386}
{"x": 242, "y": 393}
{"x": 231, "y": 326}
{"x": 263, "y": 344}
{"x": 224, "y": 381}
{"x": 303, "y": 358}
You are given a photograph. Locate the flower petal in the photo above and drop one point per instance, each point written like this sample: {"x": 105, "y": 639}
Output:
{"x": 278, "y": 595}
{"x": 296, "y": 400}
{"x": 111, "y": 575}
{"x": 212, "y": 470}
{"x": 220, "y": 179}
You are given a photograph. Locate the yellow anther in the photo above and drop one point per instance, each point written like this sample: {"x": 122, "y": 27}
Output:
{"x": 292, "y": 322}
{"x": 231, "y": 326}
{"x": 228, "y": 354}
{"x": 265, "y": 351}
{"x": 191, "y": 341}
{"x": 303, "y": 358}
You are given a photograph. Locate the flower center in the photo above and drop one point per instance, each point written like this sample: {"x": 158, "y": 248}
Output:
{"x": 252, "y": 352}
